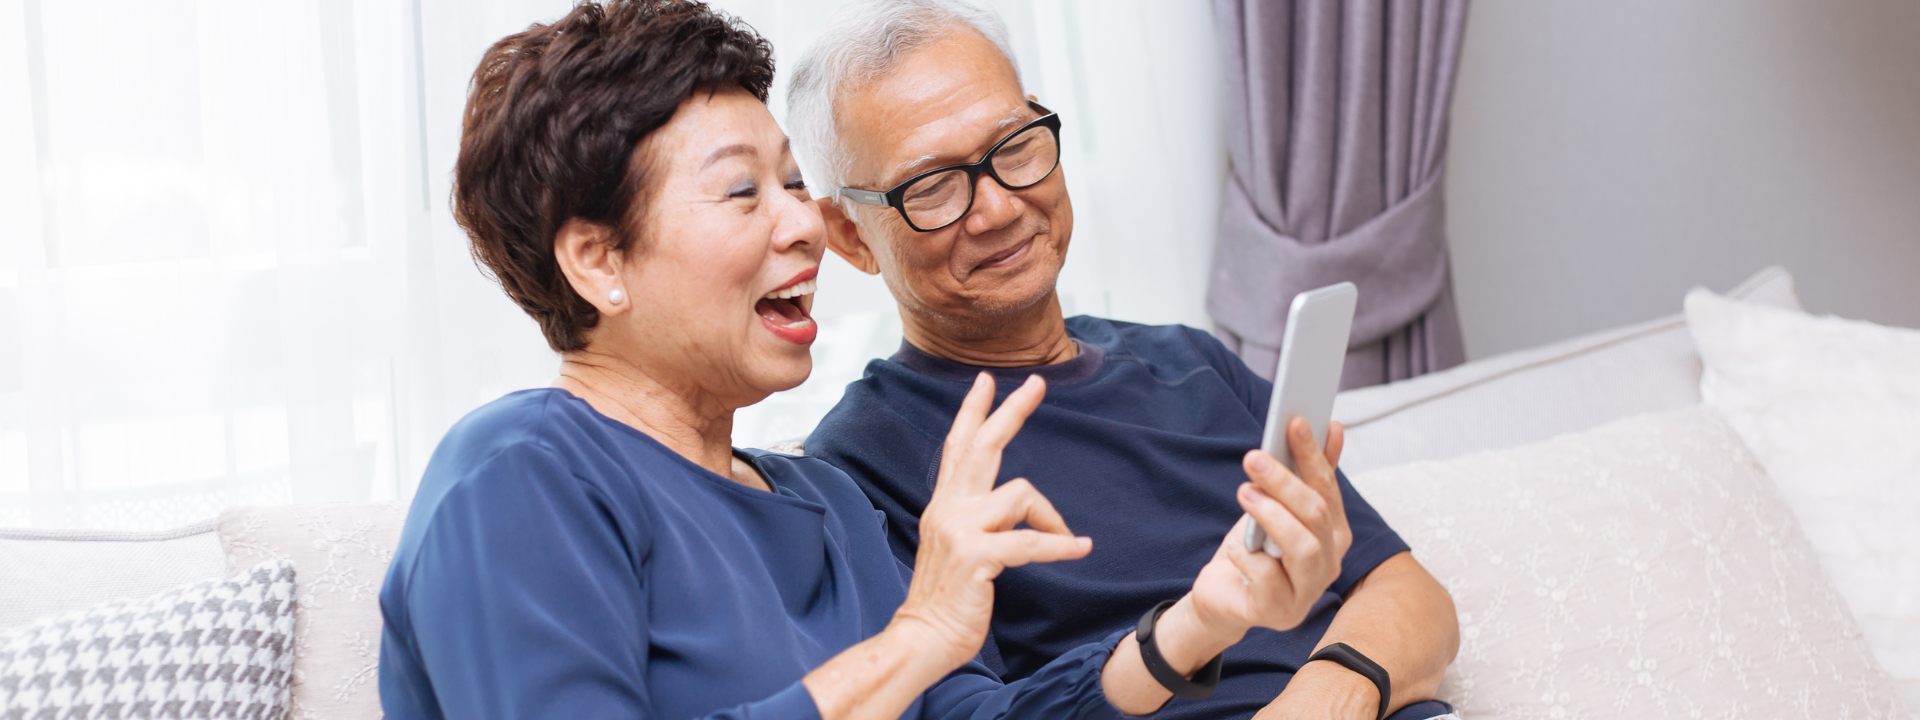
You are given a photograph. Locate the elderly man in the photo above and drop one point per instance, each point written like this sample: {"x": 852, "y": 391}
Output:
{"x": 937, "y": 172}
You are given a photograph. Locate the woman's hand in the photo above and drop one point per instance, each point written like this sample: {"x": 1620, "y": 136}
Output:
{"x": 969, "y": 533}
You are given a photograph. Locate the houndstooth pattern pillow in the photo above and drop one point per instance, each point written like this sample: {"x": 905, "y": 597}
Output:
{"x": 216, "y": 649}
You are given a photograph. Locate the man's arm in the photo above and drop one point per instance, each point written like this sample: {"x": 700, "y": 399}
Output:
{"x": 1398, "y": 616}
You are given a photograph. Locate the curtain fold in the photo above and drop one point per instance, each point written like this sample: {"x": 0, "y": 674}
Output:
{"x": 1337, "y": 118}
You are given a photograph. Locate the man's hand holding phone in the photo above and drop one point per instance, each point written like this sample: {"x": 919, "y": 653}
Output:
{"x": 1304, "y": 515}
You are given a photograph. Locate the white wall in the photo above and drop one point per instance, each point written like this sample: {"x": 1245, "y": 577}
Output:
{"x": 1607, "y": 156}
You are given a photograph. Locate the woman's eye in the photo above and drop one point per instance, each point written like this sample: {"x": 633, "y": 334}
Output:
{"x": 797, "y": 185}
{"x": 743, "y": 191}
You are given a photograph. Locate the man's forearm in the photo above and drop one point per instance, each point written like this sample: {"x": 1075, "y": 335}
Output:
{"x": 1398, "y": 616}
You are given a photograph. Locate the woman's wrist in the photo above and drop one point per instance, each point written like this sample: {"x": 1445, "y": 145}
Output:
{"x": 925, "y": 647}
{"x": 1187, "y": 641}
{"x": 880, "y": 676}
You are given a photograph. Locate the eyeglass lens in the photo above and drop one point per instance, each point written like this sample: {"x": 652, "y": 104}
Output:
{"x": 939, "y": 199}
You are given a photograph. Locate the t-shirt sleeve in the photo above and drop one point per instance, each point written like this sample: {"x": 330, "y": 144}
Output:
{"x": 525, "y": 602}
{"x": 1253, "y": 390}
{"x": 1373, "y": 540}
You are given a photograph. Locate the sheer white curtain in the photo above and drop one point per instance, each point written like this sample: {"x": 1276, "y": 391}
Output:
{"x": 228, "y": 274}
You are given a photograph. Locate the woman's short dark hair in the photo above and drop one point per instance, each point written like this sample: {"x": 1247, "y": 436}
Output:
{"x": 553, "y": 127}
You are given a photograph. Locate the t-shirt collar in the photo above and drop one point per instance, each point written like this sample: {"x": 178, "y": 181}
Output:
{"x": 1079, "y": 368}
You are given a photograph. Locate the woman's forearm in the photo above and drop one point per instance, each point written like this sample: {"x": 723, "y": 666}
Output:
{"x": 878, "y": 678}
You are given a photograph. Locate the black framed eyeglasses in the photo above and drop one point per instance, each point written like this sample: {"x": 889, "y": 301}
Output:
{"x": 940, "y": 197}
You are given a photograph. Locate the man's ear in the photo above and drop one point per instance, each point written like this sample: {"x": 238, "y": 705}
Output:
{"x": 586, "y": 256}
{"x": 844, "y": 237}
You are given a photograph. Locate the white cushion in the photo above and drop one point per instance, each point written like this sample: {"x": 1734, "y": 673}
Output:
{"x": 47, "y": 572}
{"x": 1647, "y": 568}
{"x": 342, "y": 550}
{"x": 1832, "y": 409}
{"x": 1535, "y": 394}
{"x": 215, "y": 649}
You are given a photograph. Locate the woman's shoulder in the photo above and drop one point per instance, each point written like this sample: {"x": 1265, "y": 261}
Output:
{"x": 545, "y": 428}
{"x": 523, "y": 420}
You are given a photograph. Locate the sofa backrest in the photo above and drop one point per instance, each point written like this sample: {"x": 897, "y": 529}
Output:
{"x": 1535, "y": 394}
{"x": 47, "y": 572}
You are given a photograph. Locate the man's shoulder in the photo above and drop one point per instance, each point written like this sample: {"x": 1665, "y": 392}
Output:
{"x": 889, "y": 405}
{"x": 1161, "y": 343}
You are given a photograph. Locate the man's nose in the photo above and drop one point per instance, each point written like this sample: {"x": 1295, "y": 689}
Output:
{"x": 994, "y": 206}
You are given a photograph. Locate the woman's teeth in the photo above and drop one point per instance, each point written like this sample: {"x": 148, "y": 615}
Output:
{"x": 805, "y": 288}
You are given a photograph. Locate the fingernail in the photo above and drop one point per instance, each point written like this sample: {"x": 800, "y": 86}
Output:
{"x": 1086, "y": 543}
{"x": 1261, "y": 463}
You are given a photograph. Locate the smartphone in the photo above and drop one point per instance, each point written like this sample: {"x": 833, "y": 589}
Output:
{"x": 1311, "y": 356}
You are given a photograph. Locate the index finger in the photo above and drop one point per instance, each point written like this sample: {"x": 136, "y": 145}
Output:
{"x": 966, "y": 423}
{"x": 1006, "y": 420}
{"x": 977, "y": 458}
{"x": 1315, "y": 471}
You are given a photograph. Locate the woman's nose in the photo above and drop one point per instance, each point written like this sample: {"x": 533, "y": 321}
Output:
{"x": 800, "y": 224}
{"x": 994, "y": 207}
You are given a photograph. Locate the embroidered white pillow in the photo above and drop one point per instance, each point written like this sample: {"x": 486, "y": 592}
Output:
{"x": 1643, "y": 569}
{"x": 345, "y": 549}
{"x": 1831, "y": 407}
{"x": 219, "y": 648}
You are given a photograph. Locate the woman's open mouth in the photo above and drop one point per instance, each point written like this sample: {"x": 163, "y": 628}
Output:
{"x": 784, "y": 311}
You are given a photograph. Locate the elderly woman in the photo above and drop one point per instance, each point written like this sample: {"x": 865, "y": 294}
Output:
{"x": 596, "y": 549}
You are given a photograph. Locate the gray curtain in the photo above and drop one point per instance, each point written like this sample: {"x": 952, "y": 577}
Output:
{"x": 1337, "y": 124}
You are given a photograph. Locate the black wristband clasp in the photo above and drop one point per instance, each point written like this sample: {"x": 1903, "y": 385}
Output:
{"x": 1363, "y": 666}
{"x": 1203, "y": 682}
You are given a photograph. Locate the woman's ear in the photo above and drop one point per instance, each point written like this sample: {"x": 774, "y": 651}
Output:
{"x": 844, "y": 237}
{"x": 587, "y": 257}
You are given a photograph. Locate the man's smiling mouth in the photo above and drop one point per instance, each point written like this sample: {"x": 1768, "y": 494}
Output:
{"x": 1006, "y": 257}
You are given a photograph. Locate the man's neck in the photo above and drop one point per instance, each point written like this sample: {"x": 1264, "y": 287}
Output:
{"x": 1037, "y": 336}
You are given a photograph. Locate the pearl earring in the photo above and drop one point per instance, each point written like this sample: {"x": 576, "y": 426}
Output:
{"x": 617, "y": 296}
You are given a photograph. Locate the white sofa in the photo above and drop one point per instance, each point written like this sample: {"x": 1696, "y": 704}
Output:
{"x": 1518, "y": 399}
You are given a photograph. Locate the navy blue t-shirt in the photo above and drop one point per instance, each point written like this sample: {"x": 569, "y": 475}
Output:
{"x": 559, "y": 564}
{"x": 1138, "y": 445}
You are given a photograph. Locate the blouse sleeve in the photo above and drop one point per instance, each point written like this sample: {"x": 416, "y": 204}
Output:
{"x": 525, "y": 601}
{"x": 1068, "y": 687}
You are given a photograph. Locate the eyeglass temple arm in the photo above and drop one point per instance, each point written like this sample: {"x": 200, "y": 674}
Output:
{"x": 866, "y": 197}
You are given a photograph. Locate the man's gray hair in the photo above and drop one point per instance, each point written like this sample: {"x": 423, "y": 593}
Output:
{"x": 865, "y": 40}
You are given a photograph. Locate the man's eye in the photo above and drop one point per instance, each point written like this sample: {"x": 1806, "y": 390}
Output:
{"x": 925, "y": 190}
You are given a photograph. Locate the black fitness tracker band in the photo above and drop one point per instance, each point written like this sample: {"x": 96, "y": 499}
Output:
{"x": 1203, "y": 682}
{"x": 1361, "y": 664}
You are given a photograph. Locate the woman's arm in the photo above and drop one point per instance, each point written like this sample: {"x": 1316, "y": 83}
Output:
{"x": 968, "y": 534}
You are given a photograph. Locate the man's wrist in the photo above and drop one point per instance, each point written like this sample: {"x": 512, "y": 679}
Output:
{"x": 1331, "y": 687}
{"x": 1187, "y": 642}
